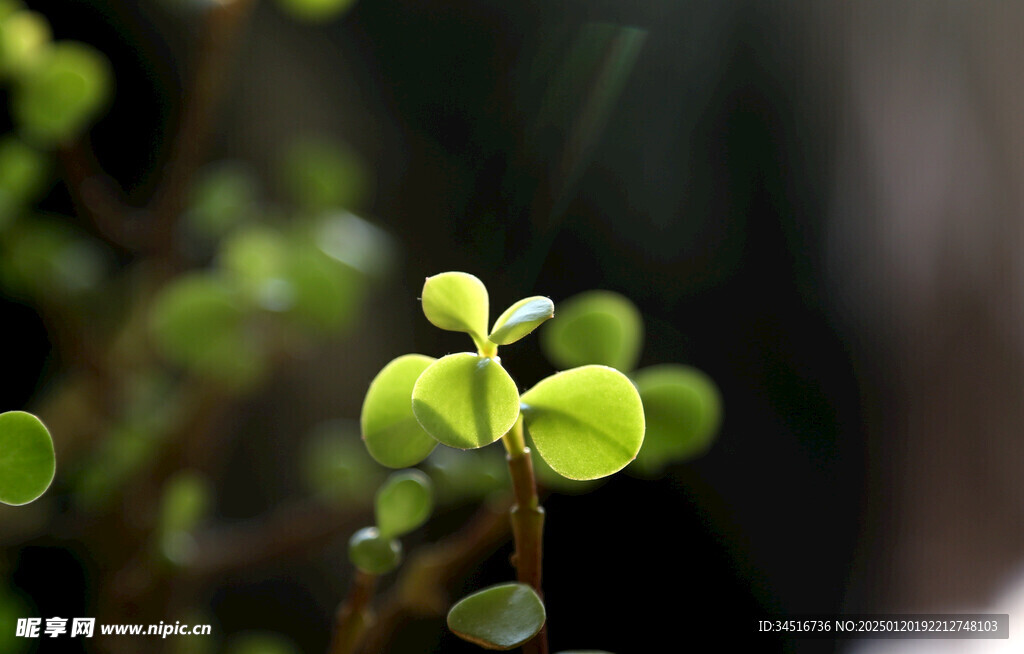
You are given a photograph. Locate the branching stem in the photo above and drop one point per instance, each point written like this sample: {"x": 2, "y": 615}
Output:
{"x": 527, "y": 522}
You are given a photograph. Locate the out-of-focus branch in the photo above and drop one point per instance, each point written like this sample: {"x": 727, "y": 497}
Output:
{"x": 423, "y": 585}
{"x": 225, "y": 20}
{"x": 288, "y": 530}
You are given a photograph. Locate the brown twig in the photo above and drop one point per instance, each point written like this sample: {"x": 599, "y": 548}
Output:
{"x": 288, "y": 530}
{"x": 355, "y": 615}
{"x": 422, "y": 587}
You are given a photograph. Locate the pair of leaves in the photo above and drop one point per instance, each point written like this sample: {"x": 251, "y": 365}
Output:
{"x": 27, "y": 462}
{"x": 458, "y": 302}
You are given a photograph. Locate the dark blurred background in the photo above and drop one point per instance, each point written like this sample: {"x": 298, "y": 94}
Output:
{"x": 815, "y": 203}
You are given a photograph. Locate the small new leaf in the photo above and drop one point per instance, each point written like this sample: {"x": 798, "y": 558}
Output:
{"x": 456, "y": 302}
{"x": 27, "y": 462}
{"x": 373, "y": 553}
{"x": 501, "y": 617}
{"x": 520, "y": 319}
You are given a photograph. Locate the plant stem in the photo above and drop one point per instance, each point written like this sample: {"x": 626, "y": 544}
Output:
{"x": 355, "y": 615}
{"x": 527, "y": 522}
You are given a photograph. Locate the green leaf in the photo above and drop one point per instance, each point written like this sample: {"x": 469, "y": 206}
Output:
{"x": 315, "y": 11}
{"x": 65, "y": 92}
{"x": 500, "y": 617}
{"x": 24, "y": 173}
{"x": 597, "y": 327}
{"x": 392, "y": 434}
{"x": 27, "y": 462}
{"x": 520, "y": 319}
{"x": 457, "y": 302}
{"x": 371, "y": 552}
{"x": 586, "y": 423}
{"x": 336, "y": 466}
{"x": 186, "y": 501}
{"x": 24, "y": 36}
{"x": 460, "y": 475}
{"x": 403, "y": 503}
{"x": 320, "y": 175}
{"x": 223, "y": 196}
{"x": 199, "y": 322}
{"x": 683, "y": 410}
{"x": 465, "y": 401}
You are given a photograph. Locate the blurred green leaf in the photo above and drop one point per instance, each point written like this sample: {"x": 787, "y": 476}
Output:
{"x": 319, "y": 175}
{"x": 460, "y": 475}
{"x": 457, "y": 302}
{"x": 356, "y": 242}
{"x": 200, "y": 322}
{"x": 12, "y": 607}
{"x": 24, "y": 38}
{"x": 596, "y": 327}
{"x": 65, "y": 92}
{"x": 338, "y": 468}
{"x": 586, "y": 423}
{"x": 223, "y": 196}
{"x": 47, "y": 258}
{"x": 520, "y": 319}
{"x": 465, "y": 401}
{"x": 403, "y": 503}
{"x": 500, "y": 617}
{"x": 24, "y": 173}
{"x": 186, "y": 501}
{"x": 261, "y": 643}
{"x": 27, "y": 462}
{"x": 391, "y": 432}
{"x": 683, "y": 410}
{"x": 327, "y": 292}
{"x": 373, "y": 553}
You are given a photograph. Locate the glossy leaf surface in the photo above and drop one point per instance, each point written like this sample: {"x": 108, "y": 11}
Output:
{"x": 500, "y": 617}
{"x": 586, "y": 423}
{"x": 403, "y": 503}
{"x": 683, "y": 409}
{"x": 27, "y": 462}
{"x": 393, "y": 435}
{"x": 597, "y": 327}
{"x": 520, "y": 319}
{"x": 457, "y": 302}
{"x": 373, "y": 553}
{"x": 465, "y": 401}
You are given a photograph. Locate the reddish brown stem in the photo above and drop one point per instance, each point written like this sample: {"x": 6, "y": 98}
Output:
{"x": 355, "y": 615}
{"x": 527, "y": 524}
